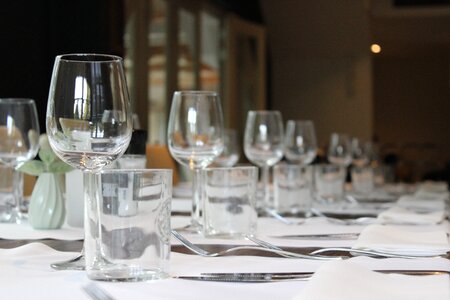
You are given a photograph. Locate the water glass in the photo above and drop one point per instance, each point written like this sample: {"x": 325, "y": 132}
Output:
{"x": 6, "y": 191}
{"x": 132, "y": 161}
{"x": 128, "y": 225}
{"x": 329, "y": 181}
{"x": 229, "y": 207}
{"x": 292, "y": 189}
{"x": 74, "y": 198}
{"x": 362, "y": 180}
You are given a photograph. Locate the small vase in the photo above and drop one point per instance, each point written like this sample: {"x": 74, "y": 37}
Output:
{"x": 47, "y": 208}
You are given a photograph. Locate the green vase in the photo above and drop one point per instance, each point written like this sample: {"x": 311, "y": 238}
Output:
{"x": 47, "y": 207}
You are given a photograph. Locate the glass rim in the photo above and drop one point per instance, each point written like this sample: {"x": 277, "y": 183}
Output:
{"x": 17, "y": 100}
{"x": 192, "y": 92}
{"x": 231, "y": 168}
{"x": 89, "y": 58}
{"x": 264, "y": 112}
{"x": 287, "y": 165}
{"x": 299, "y": 121}
{"x": 138, "y": 170}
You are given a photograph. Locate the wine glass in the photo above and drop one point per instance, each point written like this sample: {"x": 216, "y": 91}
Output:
{"x": 263, "y": 144}
{"x": 340, "y": 150}
{"x": 195, "y": 138}
{"x": 230, "y": 154}
{"x": 19, "y": 142}
{"x": 300, "y": 142}
{"x": 361, "y": 152}
{"x": 89, "y": 122}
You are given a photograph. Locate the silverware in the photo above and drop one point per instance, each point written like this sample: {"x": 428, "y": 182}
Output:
{"x": 288, "y": 276}
{"x": 202, "y": 252}
{"x": 96, "y": 292}
{"x": 326, "y": 236}
{"x": 373, "y": 253}
{"x": 282, "y": 219}
{"x": 262, "y": 243}
{"x": 357, "y": 221}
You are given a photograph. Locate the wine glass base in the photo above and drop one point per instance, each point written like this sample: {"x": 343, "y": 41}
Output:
{"x": 77, "y": 263}
{"x": 191, "y": 228}
{"x": 12, "y": 217}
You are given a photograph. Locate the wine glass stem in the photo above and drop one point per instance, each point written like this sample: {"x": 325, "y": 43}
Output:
{"x": 17, "y": 185}
{"x": 197, "y": 198}
{"x": 265, "y": 182}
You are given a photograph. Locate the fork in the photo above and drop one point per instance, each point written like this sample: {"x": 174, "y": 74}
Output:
{"x": 282, "y": 219}
{"x": 370, "y": 253}
{"x": 358, "y": 221}
{"x": 202, "y": 252}
{"x": 262, "y": 243}
{"x": 96, "y": 292}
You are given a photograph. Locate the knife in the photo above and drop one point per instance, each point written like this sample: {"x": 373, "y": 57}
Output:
{"x": 273, "y": 277}
{"x": 329, "y": 236}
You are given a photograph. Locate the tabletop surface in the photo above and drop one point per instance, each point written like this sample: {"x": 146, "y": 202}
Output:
{"x": 26, "y": 257}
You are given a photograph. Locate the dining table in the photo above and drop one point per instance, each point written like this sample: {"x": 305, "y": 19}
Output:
{"x": 26, "y": 255}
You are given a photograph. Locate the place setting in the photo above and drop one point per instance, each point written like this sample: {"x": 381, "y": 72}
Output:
{"x": 281, "y": 219}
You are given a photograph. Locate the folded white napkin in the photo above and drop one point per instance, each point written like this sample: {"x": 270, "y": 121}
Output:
{"x": 349, "y": 281}
{"x": 400, "y": 215}
{"x": 396, "y": 240}
{"x": 433, "y": 190}
{"x": 421, "y": 204}
{"x": 433, "y": 186}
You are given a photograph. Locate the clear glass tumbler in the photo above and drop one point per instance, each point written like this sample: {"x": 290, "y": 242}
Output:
{"x": 128, "y": 225}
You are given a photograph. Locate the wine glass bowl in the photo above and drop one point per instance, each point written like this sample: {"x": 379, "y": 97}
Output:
{"x": 340, "y": 149}
{"x": 19, "y": 131}
{"x": 230, "y": 154}
{"x": 263, "y": 140}
{"x": 361, "y": 152}
{"x": 19, "y": 142}
{"x": 88, "y": 116}
{"x": 300, "y": 142}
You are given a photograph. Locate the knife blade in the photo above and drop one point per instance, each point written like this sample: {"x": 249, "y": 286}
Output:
{"x": 328, "y": 236}
{"x": 288, "y": 276}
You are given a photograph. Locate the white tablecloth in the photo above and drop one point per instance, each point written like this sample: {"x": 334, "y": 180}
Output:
{"x": 26, "y": 273}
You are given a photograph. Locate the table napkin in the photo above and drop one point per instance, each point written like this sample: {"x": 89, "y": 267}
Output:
{"x": 349, "y": 281}
{"x": 434, "y": 186}
{"x": 433, "y": 190}
{"x": 25, "y": 232}
{"x": 421, "y": 204}
{"x": 400, "y": 215}
{"x": 397, "y": 240}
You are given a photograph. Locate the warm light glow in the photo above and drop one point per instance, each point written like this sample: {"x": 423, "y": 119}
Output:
{"x": 375, "y": 48}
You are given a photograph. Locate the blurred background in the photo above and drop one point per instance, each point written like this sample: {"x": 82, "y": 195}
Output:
{"x": 377, "y": 70}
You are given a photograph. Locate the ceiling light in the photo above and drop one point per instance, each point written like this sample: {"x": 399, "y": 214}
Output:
{"x": 375, "y": 48}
